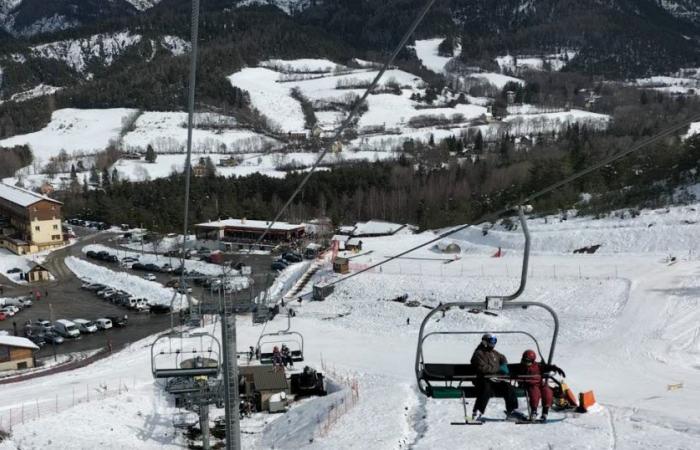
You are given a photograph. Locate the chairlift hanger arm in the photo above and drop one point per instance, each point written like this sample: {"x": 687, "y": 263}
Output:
{"x": 526, "y": 260}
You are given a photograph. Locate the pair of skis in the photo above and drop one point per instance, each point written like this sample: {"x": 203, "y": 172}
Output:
{"x": 515, "y": 417}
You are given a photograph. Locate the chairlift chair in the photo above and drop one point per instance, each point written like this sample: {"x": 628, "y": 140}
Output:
{"x": 442, "y": 380}
{"x": 293, "y": 339}
{"x": 197, "y": 361}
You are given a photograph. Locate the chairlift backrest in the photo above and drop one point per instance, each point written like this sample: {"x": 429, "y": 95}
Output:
{"x": 168, "y": 362}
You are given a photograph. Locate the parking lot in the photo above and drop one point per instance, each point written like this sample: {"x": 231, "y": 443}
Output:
{"x": 66, "y": 299}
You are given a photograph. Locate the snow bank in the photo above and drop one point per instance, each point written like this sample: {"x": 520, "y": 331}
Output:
{"x": 496, "y": 79}
{"x": 9, "y": 260}
{"x": 132, "y": 284}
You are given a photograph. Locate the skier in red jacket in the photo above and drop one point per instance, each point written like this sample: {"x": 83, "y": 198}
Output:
{"x": 535, "y": 384}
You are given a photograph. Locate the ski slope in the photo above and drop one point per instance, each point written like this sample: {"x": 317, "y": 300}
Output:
{"x": 629, "y": 330}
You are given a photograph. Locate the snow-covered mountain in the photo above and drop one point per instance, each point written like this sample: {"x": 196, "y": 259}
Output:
{"x": 684, "y": 9}
{"x": 31, "y": 17}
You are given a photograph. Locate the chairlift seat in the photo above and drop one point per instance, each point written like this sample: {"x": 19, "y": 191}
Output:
{"x": 458, "y": 379}
{"x": 193, "y": 372}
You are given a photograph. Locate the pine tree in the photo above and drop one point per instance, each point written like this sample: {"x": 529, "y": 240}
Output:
{"x": 478, "y": 143}
{"x": 94, "y": 176}
{"x": 73, "y": 173}
{"x": 150, "y": 154}
{"x": 105, "y": 178}
{"x": 115, "y": 176}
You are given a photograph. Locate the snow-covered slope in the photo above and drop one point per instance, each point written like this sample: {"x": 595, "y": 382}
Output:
{"x": 288, "y": 6}
{"x": 628, "y": 331}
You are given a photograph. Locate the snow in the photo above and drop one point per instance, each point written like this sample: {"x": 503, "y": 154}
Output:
{"x": 556, "y": 121}
{"x": 288, "y": 6}
{"x": 73, "y": 130}
{"x": 693, "y": 130}
{"x": 304, "y": 65}
{"x": 629, "y": 328}
{"x": 156, "y": 293}
{"x": 16, "y": 341}
{"x": 20, "y": 196}
{"x": 9, "y": 260}
{"x": 175, "y": 44}
{"x": 555, "y": 61}
{"x": 79, "y": 53}
{"x": 39, "y": 90}
{"x": 150, "y": 258}
{"x": 270, "y": 98}
{"x": 496, "y": 79}
{"x": 166, "y": 132}
{"x": 376, "y": 227}
{"x": 143, "y": 5}
{"x": 251, "y": 224}
{"x": 427, "y": 52}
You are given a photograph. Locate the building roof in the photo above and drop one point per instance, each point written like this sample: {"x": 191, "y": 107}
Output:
{"x": 376, "y": 227}
{"x": 16, "y": 341}
{"x": 266, "y": 378}
{"x": 22, "y": 197}
{"x": 251, "y": 224}
{"x": 38, "y": 268}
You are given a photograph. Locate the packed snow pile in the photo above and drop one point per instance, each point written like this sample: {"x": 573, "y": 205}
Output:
{"x": 10, "y": 262}
{"x": 156, "y": 293}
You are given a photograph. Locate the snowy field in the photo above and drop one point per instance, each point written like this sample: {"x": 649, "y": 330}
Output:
{"x": 273, "y": 165}
{"x": 73, "y": 130}
{"x": 166, "y": 132}
{"x": 629, "y": 332}
{"x": 427, "y": 52}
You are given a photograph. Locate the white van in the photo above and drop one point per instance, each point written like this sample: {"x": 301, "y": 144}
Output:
{"x": 66, "y": 328}
{"x": 85, "y": 326}
{"x": 103, "y": 324}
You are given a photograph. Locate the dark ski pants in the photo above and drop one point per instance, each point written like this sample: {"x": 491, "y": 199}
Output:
{"x": 539, "y": 391}
{"x": 486, "y": 389}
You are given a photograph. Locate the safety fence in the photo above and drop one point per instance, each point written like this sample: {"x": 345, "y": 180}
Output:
{"x": 350, "y": 395}
{"x": 33, "y": 409}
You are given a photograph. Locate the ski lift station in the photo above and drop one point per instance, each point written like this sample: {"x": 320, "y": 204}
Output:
{"x": 248, "y": 231}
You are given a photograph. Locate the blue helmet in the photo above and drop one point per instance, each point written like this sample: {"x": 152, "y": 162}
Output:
{"x": 489, "y": 340}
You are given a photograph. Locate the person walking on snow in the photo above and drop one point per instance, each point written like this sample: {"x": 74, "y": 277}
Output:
{"x": 535, "y": 384}
{"x": 491, "y": 366}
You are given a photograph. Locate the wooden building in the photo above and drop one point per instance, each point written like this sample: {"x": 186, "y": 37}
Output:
{"x": 32, "y": 222}
{"x": 38, "y": 273}
{"x": 262, "y": 382}
{"x": 341, "y": 265}
{"x": 16, "y": 353}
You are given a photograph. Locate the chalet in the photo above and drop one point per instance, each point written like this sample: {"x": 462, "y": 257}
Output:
{"x": 341, "y": 265}
{"x": 16, "y": 353}
{"x": 32, "y": 221}
{"x": 229, "y": 162}
{"x": 373, "y": 228}
{"x": 200, "y": 170}
{"x": 244, "y": 230}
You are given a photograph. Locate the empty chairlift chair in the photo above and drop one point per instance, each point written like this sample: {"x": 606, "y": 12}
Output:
{"x": 185, "y": 355}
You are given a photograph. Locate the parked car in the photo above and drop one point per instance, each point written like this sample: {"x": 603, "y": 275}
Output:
{"x": 292, "y": 257}
{"x": 85, "y": 326}
{"x": 184, "y": 290}
{"x": 93, "y": 286}
{"x": 51, "y": 337}
{"x": 150, "y": 277}
{"x": 9, "y": 311}
{"x": 14, "y": 270}
{"x": 103, "y": 323}
{"x": 278, "y": 266}
{"x": 105, "y": 293}
{"x": 3, "y": 316}
{"x": 138, "y": 266}
{"x": 167, "y": 268}
{"x": 43, "y": 325}
{"x": 282, "y": 261}
{"x": 91, "y": 254}
{"x": 160, "y": 309}
{"x": 152, "y": 268}
{"x": 120, "y": 322}
{"x": 37, "y": 339}
{"x": 66, "y": 328}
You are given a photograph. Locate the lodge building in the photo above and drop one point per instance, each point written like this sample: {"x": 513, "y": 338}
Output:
{"x": 29, "y": 222}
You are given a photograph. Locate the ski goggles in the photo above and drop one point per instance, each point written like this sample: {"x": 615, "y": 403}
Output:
{"x": 491, "y": 340}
